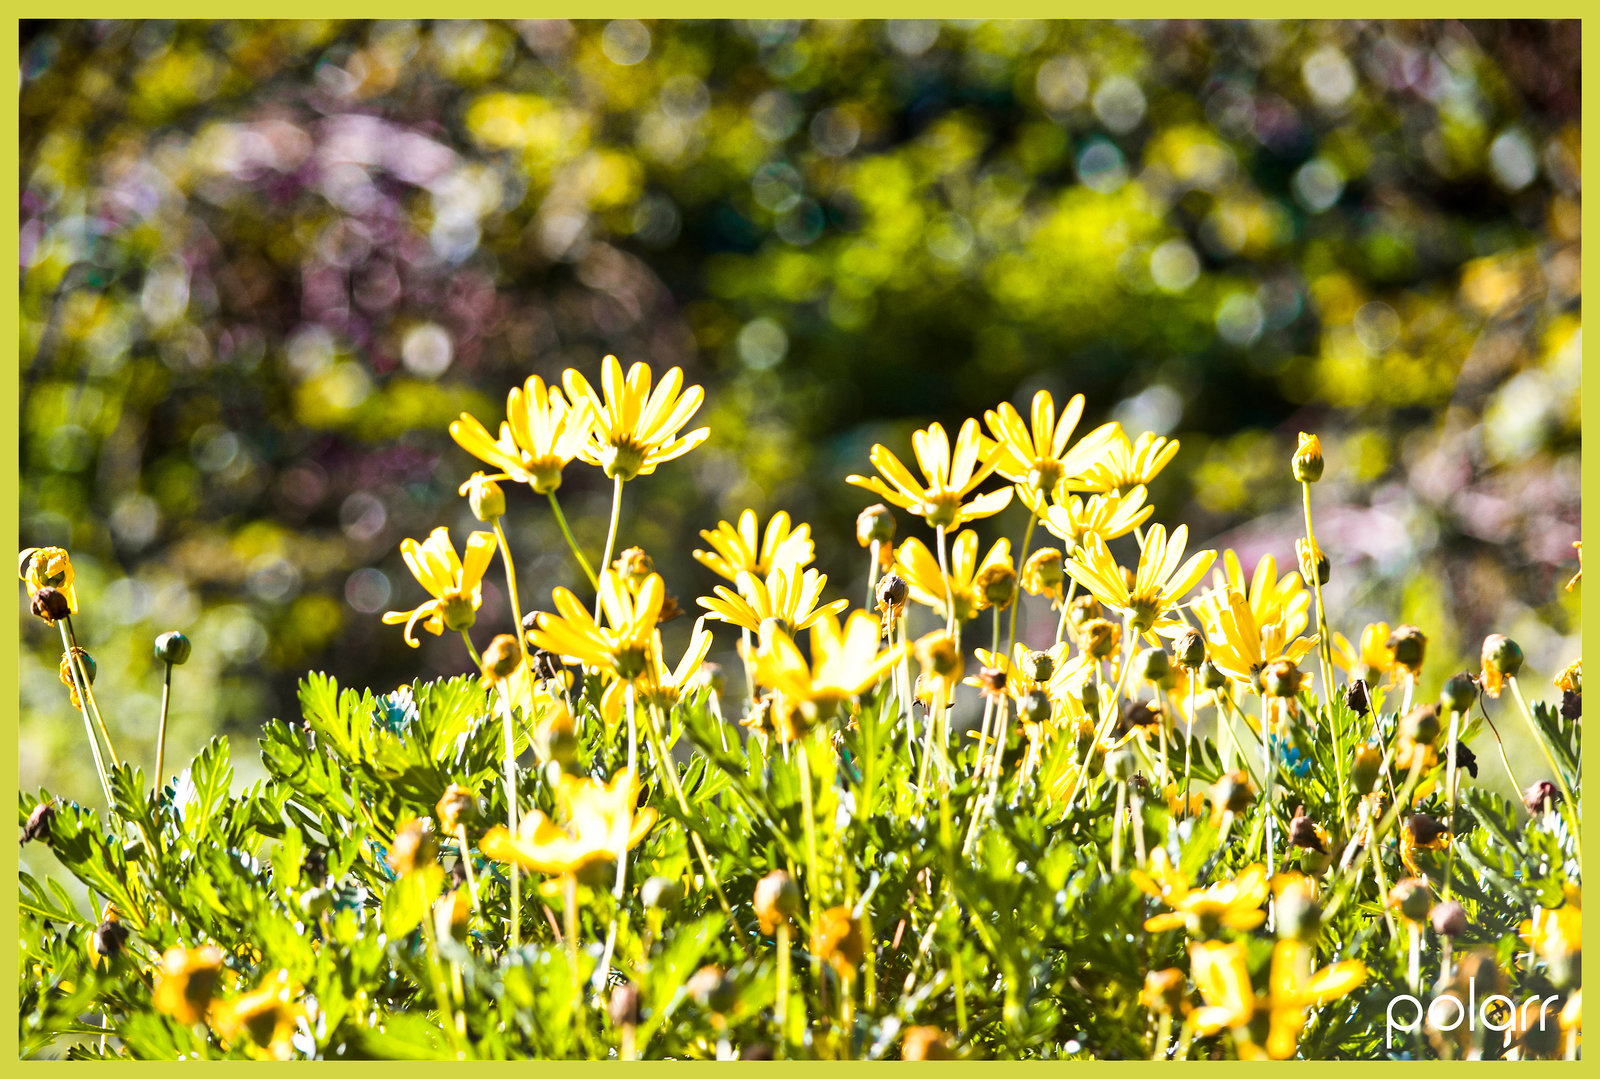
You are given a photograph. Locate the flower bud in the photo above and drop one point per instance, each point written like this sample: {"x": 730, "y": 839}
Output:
{"x": 623, "y": 1007}
{"x": 1423, "y": 829}
{"x": 547, "y": 665}
{"x": 875, "y": 522}
{"x": 1421, "y": 724}
{"x": 1100, "y": 638}
{"x": 839, "y": 941}
{"x": 1281, "y": 678}
{"x": 1449, "y": 919}
{"x": 1411, "y": 898}
{"x": 1044, "y": 573}
{"x": 1460, "y": 693}
{"x": 1034, "y": 707}
{"x": 109, "y": 936}
{"x": 1502, "y": 655}
{"x": 173, "y": 648}
{"x": 1121, "y": 764}
{"x": 925, "y": 1043}
{"x": 501, "y": 658}
{"x": 713, "y": 990}
{"x": 634, "y": 566}
{"x": 1038, "y": 666}
{"x": 1307, "y": 462}
{"x": 1357, "y": 698}
{"x": 1303, "y": 832}
{"x": 1084, "y": 609}
{"x": 1163, "y": 990}
{"x": 776, "y": 900}
{"x": 996, "y": 586}
{"x": 456, "y": 806}
{"x": 1365, "y": 768}
{"x": 39, "y": 821}
{"x": 51, "y": 605}
{"x": 661, "y": 893}
{"x": 1190, "y": 649}
{"x": 1314, "y": 565}
{"x": 414, "y": 847}
{"x": 1211, "y": 676}
{"x": 1410, "y": 647}
{"x": 484, "y": 496}
{"x": 1233, "y": 792}
{"x": 1153, "y": 665}
{"x": 1541, "y": 796}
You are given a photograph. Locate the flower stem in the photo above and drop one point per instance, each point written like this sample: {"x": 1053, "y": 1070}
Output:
{"x": 944, "y": 574}
{"x": 80, "y": 684}
{"x": 583, "y": 563}
{"x": 611, "y": 534}
{"x": 466, "y": 863}
{"x": 1325, "y": 652}
{"x": 1016, "y": 601}
{"x": 1567, "y": 804}
{"x": 86, "y": 693}
{"x": 780, "y": 1009}
{"x": 161, "y": 730}
{"x": 511, "y": 583}
{"x": 477, "y": 660}
{"x": 511, "y": 816}
{"x": 813, "y": 882}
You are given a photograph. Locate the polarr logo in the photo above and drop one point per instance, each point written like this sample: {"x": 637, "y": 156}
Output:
{"x": 1495, "y": 1012}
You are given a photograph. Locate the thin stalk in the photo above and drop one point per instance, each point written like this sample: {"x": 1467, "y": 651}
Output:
{"x": 466, "y": 863}
{"x": 583, "y": 563}
{"x": 1450, "y": 802}
{"x": 780, "y": 1009}
{"x": 80, "y": 684}
{"x": 511, "y": 815}
{"x": 477, "y": 660}
{"x": 813, "y": 881}
{"x": 570, "y": 921}
{"x": 1016, "y": 602}
{"x": 86, "y": 694}
{"x": 511, "y": 583}
{"x": 872, "y": 574}
{"x": 161, "y": 729}
{"x": 452, "y": 1020}
{"x": 611, "y": 534}
{"x": 944, "y": 573}
{"x": 1116, "y": 828}
{"x": 1066, "y": 607}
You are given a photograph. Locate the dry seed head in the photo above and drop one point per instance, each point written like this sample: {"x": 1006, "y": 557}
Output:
{"x": 51, "y": 605}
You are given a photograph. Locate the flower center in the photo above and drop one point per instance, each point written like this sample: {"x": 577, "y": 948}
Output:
{"x": 627, "y": 457}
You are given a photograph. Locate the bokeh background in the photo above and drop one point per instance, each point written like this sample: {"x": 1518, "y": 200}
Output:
{"x": 264, "y": 264}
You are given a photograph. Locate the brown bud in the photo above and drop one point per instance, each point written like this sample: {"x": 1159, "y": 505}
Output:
{"x": 109, "y": 936}
{"x": 892, "y": 590}
{"x": 1449, "y": 919}
{"x": 1281, "y": 678}
{"x": 1190, "y": 649}
{"x": 1421, "y": 724}
{"x": 1410, "y": 647}
{"x": 876, "y": 522}
{"x": 925, "y": 1043}
{"x": 1541, "y": 796}
{"x": 38, "y": 826}
{"x": 1233, "y": 792}
{"x": 50, "y": 605}
{"x": 500, "y": 659}
{"x": 1303, "y": 832}
{"x": 1423, "y": 829}
{"x": 1411, "y": 898}
{"x": 1357, "y": 698}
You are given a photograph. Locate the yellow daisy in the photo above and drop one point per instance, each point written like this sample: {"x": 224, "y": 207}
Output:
{"x": 920, "y": 569}
{"x": 601, "y": 819}
{"x": 948, "y": 477}
{"x": 1122, "y": 465}
{"x": 1271, "y": 598}
{"x": 456, "y": 584}
{"x": 738, "y": 550}
{"x": 1159, "y": 583}
{"x": 49, "y": 567}
{"x": 786, "y": 594}
{"x": 845, "y": 662}
{"x": 542, "y": 435}
{"x": 634, "y": 429}
{"x": 1372, "y": 660}
{"x": 1106, "y": 516}
{"x": 1037, "y": 459}
{"x": 623, "y": 645}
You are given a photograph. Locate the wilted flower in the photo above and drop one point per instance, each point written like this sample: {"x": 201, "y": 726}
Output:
{"x": 48, "y": 567}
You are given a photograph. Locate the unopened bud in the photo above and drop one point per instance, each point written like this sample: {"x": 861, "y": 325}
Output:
{"x": 173, "y": 648}
{"x": 1460, "y": 693}
{"x": 1541, "y": 796}
{"x": 1410, "y": 647}
{"x": 1303, "y": 832}
{"x": 996, "y": 586}
{"x": 1423, "y": 829}
{"x": 1100, "y": 637}
{"x": 1307, "y": 462}
{"x": 839, "y": 941}
{"x": 892, "y": 590}
{"x": 1154, "y": 665}
{"x": 1190, "y": 649}
{"x": 51, "y": 605}
{"x": 1233, "y": 792}
{"x": 500, "y": 659}
{"x": 1314, "y": 565}
{"x": 661, "y": 893}
{"x": 1357, "y": 697}
{"x": 1502, "y": 654}
{"x": 1211, "y": 676}
{"x": 456, "y": 806}
{"x": 776, "y": 900}
{"x": 484, "y": 496}
{"x": 414, "y": 847}
{"x": 925, "y": 1043}
{"x": 1281, "y": 678}
{"x": 713, "y": 990}
{"x": 1034, "y": 707}
{"x": 875, "y": 522}
{"x": 1421, "y": 724}
{"x": 1411, "y": 898}
{"x": 1038, "y": 666}
{"x": 1299, "y": 916}
{"x": 1365, "y": 768}
{"x": 1449, "y": 919}
{"x": 109, "y": 937}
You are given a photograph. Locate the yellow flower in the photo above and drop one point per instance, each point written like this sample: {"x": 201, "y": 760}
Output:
{"x": 845, "y": 662}
{"x": 456, "y": 584}
{"x": 1121, "y": 465}
{"x": 621, "y": 646}
{"x": 600, "y": 821}
{"x": 1577, "y": 578}
{"x": 1222, "y": 974}
{"x": 1106, "y": 516}
{"x": 1374, "y": 658}
{"x": 1557, "y": 934}
{"x": 543, "y": 434}
{"x": 1042, "y": 575}
{"x": 942, "y": 665}
{"x": 265, "y": 1014}
{"x": 1241, "y": 647}
{"x": 786, "y": 594}
{"x": 1158, "y": 584}
{"x": 633, "y": 429}
{"x": 1234, "y": 904}
{"x": 660, "y": 685}
{"x": 737, "y": 550}
{"x": 1271, "y": 598}
{"x": 48, "y": 567}
{"x": 1038, "y": 459}
{"x": 1570, "y": 680}
{"x": 186, "y": 981}
{"x": 920, "y": 569}
{"x": 948, "y": 477}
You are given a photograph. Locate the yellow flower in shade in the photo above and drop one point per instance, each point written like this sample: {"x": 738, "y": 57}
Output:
{"x": 738, "y": 550}
{"x": 920, "y": 569}
{"x": 787, "y": 595}
{"x": 186, "y": 981}
{"x": 622, "y": 644}
{"x": 600, "y": 820}
{"x": 1037, "y": 458}
{"x": 1042, "y": 575}
{"x": 1372, "y": 660}
{"x": 542, "y": 435}
{"x": 948, "y": 477}
{"x": 1557, "y": 934}
{"x": 635, "y": 429}
{"x": 1121, "y": 465}
{"x": 455, "y": 583}
{"x": 1222, "y": 973}
{"x": 1242, "y": 648}
{"x": 660, "y": 685}
{"x": 1106, "y": 516}
{"x": 1234, "y": 904}
{"x": 941, "y": 662}
{"x": 1158, "y": 584}
{"x": 51, "y": 567}
{"x": 845, "y": 662}
{"x": 265, "y": 1014}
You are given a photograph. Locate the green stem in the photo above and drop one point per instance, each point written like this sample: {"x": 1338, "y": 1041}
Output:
{"x": 1568, "y": 805}
{"x": 449, "y": 1018}
{"x": 611, "y": 534}
{"x": 161, "y": 730}
{"x": 511, "y": 584}
{"x": 511, "y": 816}
{"x": 1325, "y": 651}
{"x": 477, "y": 660}
{"x": 80, "y": 683}
{"x": 944, "y": 573}
{"x": 583, "y": 563}
{"x": 813, "y": 881}
{"x": 86, "y": 694}
{"x": 466, "y": 863}
{"x": 1016, "y": 602}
